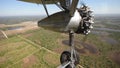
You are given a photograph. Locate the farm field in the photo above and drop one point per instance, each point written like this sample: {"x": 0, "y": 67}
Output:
{"x": 41, "y": 48}
{"x": 17, "y": 52}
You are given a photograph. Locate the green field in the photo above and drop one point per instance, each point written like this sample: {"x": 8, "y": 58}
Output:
{"x": 18, "y": 52}
{"x": 42, "y": 48}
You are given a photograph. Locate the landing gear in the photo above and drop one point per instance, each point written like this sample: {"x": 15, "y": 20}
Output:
{"x": 66, "y": 57}
{"x": 69, "y": 59}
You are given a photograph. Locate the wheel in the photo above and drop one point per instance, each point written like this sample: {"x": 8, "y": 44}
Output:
{"x": 65, "y": 57}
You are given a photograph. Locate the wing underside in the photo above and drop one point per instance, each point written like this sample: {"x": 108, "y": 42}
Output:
{"x": 69, "y": 5}
{"x": 40, "y": 1}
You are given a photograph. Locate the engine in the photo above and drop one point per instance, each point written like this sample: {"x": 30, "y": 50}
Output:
{"x": 86, "y": 20}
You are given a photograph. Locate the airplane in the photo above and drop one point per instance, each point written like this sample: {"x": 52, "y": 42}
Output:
{"x": 72, "y": 20}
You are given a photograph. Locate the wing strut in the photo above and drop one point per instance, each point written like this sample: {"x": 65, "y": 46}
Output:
{"x": 65, "y": 4}
{"x": 45, "y": 7}
{"x": 73, "y": 7}
{"x": 58, "y": 5}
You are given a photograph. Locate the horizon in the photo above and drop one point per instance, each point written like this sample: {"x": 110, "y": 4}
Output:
{"x": 51, "y": 14}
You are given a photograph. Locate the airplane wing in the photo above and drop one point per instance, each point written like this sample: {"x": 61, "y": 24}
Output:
{"x": 65, "y": 4}
{"x": 40, "y": 1}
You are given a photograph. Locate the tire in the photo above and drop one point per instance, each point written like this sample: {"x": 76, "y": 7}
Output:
{"x": 65, "y": 57}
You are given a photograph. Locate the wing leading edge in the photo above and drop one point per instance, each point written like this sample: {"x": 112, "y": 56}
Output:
{"x": 40, "y": 1}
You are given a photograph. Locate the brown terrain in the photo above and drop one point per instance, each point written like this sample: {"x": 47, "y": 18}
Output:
{"x": 115, "y": 57}
{"x": 23, "y": 27}
{"x": 29, "y": 61}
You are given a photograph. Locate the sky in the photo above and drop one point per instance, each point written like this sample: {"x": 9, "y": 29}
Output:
{"x": 18, "y": 8}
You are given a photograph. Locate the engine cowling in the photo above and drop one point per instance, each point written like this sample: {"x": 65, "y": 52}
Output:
{"x": 80, "y": 23}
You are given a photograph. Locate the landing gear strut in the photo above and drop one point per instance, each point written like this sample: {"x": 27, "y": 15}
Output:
{"x": 69, "y": 59}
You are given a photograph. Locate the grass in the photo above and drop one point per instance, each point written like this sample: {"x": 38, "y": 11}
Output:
{"x": 88, "y": 61}
{"x": 47, "y": 39}
{"x": 11, "y": 52}
{"x": 44, "y": 59}
{"x": 115, "y": 35}
{"x": 14, "y": 50}
{"x": 102, "y": 60}
{"x": 117, "y": 27}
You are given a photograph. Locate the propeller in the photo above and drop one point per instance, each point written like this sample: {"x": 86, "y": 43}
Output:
{"x": 87, "y": 19}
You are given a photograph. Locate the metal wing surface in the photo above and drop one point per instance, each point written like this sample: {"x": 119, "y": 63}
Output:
{"x": 40, "y": 1}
